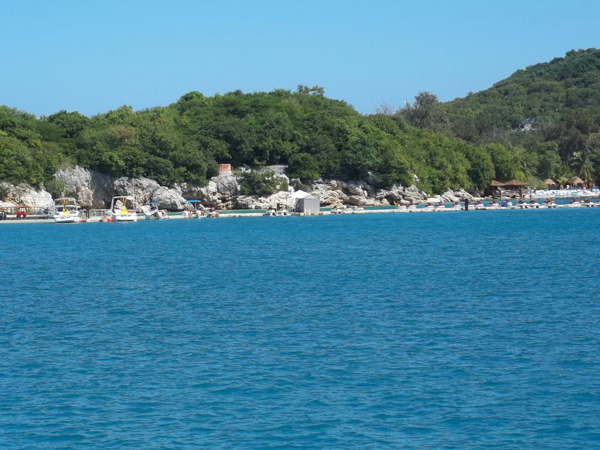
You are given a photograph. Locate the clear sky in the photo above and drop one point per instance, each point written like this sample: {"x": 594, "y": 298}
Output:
{"x": 93, "y": 56}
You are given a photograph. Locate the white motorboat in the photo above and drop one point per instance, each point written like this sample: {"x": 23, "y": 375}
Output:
{"x": 456, "y": 206}
{"x": 522, "y": 204}
{"x": 428, "y": 207}
{"x": 66, "y": 210}
{"x": 506, "y": 204}
{"x": 213, "y": 214}
{"x": 152, "y": 211}
{"x": 123, "y": 209}
{"x": 575, "y": 204}
{"x": 493, "y": 205}
{"x": 479, "y": 205}
{"x": 193, "y": 210}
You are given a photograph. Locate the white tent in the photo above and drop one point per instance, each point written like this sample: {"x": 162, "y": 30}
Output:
{"x": 305, "y": 202}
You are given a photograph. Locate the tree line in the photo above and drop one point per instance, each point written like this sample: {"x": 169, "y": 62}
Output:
{"x": 540, "y": 123}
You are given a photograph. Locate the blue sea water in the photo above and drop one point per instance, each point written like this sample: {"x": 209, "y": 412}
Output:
{"x": 460, "y": 330}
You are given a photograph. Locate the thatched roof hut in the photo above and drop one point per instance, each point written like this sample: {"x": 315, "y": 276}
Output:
{"x": 515, "y": 184}
{"x": 493, "y": 189}
{"x": 578, "y": 182}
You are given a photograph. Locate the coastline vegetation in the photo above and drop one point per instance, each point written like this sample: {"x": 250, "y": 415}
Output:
{"x": 541, "y": 122}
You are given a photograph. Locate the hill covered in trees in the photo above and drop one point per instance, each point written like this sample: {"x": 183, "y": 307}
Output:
{"x": 540, "y": 122}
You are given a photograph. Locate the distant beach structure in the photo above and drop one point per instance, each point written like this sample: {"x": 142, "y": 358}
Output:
{"x": 224, "y": 169}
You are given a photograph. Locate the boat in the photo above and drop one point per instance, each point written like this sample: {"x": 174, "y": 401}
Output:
{"x": 213, "y": 214}
{"x": 534, "y": 204}
{"x": 506, "y": 204}
{"x": 152, "y": 212}
{"x": 439, "y": 206}
{"x": 282, "y": 212}
{"x": 193, "y": 210}
{"x": 456, "y": 206}
{"x": 588, "y": 203}
{"x": 428, "y": 207}
{"x": 479, "y": 205}
{"x": 123, "y": 209}
{"x": 66, "y": 210}
{"x": 521, "y": 204}
{"x": 550, "y": 203}
{"x": 272, "y": 212}
{"x": 574, "y": 204}
{"x": 493, "y": 205}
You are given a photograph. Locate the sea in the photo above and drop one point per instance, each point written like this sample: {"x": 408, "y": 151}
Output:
{"x": 461, "y": 330}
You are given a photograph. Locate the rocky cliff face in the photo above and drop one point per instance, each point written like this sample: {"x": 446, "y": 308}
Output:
{"x": 95, "y": 190}
{"x": 25, "y": 194}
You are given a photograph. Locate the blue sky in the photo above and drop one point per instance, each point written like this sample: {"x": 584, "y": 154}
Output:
{"x": 95, "y": 56}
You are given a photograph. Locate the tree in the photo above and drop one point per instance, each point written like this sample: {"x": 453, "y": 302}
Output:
{"x": 427, "y": 113}
{"x": 259, "y": 182}
{"x": 304, "y": 167}
{"x": 581, "y": 163}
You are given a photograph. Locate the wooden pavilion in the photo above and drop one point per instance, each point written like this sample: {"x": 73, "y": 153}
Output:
{"x": 515, "y": 187}
{"x": 493, "y": 190}
{"x": 579, "y": 183}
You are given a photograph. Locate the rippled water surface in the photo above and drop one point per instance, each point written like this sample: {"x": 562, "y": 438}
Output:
{"x": 455, "y": 330}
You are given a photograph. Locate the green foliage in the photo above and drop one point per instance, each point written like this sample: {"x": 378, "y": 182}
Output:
{"x": 538, "y": 123}
{"x": 55, "y": 187}
{"x": 427, "y": 113}
{"x": 581, "y": 162}
{"x": 259, "y": 182}
{"x": 303, "y": 166}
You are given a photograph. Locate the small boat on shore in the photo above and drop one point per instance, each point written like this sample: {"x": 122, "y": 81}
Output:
{"x": 428, "y": 207}
{"x": 213, "y": 214}
{"x": 456, "y": 206}
{"x": 493, "y": 205}
{"x": 193, "y": 210}
{"x": 123, "y": 209}
{"x": 152, "y": 212}
{"x": 67, "y": 211}
{"x": 479, "y": 205}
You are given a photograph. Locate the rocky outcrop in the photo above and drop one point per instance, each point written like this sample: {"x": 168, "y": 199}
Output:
{"x": 141, "y": 189}
{"x": 95, "y": 190}
{"x": 91, "y": 189}
{"x": 281, "y": 198}
{"x": 455, "y": 196}
{"x": 25, "y": 194}
{"x": 334, "y": 192}
{"x": 220, "y": 192}
{"x": 170, "y": 199}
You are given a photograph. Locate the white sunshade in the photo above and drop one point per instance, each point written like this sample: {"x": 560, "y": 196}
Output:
{"x": 301, "y": 194}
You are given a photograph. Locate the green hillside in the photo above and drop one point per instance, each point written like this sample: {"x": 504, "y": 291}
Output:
{"x": 542, "y": 122}
{"x": 314, "y": 135}
{"x": 536, "y": 97}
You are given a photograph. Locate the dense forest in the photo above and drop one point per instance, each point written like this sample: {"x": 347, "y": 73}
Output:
{"x": 542, "y": 122}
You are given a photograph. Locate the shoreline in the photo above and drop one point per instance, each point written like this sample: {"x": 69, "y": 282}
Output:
{"x": 225, "y": 215}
